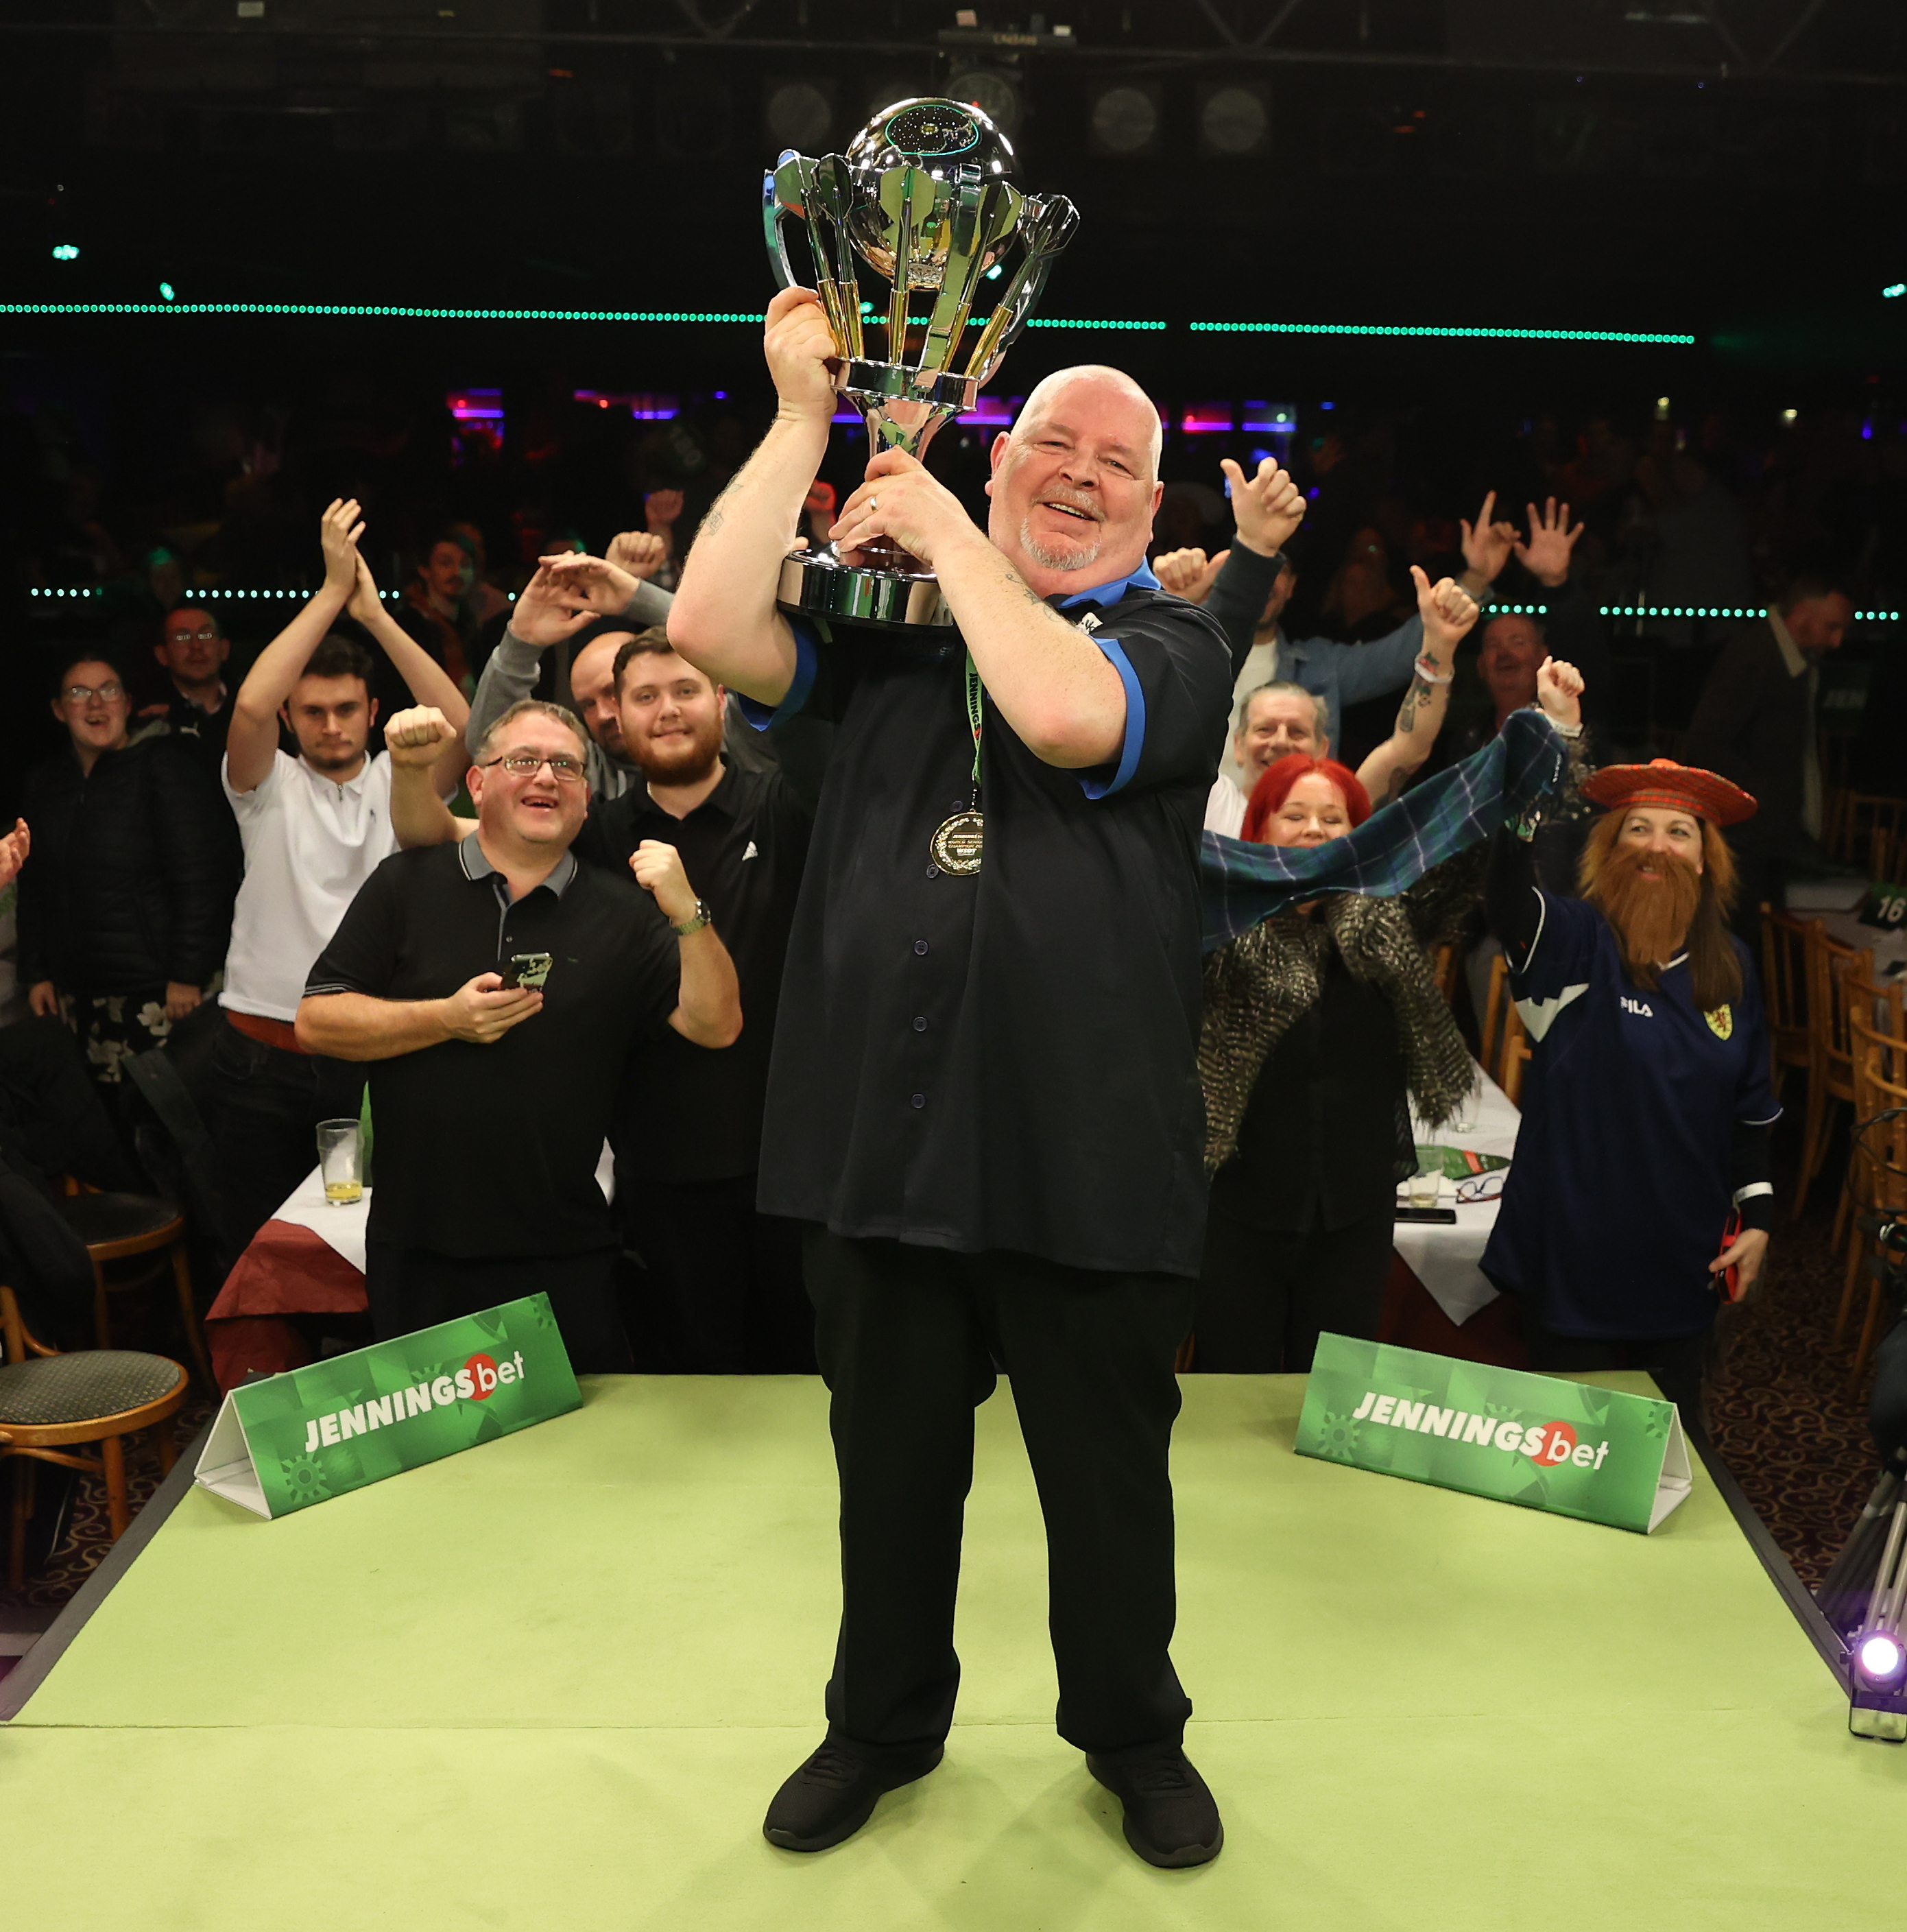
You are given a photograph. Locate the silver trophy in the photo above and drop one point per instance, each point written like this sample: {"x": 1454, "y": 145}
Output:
{"x": 922, "y": 197}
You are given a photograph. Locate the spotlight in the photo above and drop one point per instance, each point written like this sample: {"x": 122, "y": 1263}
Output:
{"x": 1233, "y": 120}
{"x": 167, "y": 291}
{"x": 996, "y": 94}
{"x": 1880, "y": 1658}
{"x": 798, "y": 114}
{"x": 1124, "y": 121}
{"x": 64, "y": 251}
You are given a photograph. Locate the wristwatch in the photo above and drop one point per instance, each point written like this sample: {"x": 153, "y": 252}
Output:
{"x": 702, "y": 916}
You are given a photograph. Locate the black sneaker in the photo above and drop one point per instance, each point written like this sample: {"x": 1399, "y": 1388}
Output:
{"x": 833, "y": 1794}
{"x": 1171, "y": 1817}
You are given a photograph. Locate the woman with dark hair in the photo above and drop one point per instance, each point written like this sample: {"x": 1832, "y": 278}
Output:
{"x": 125, "y": 903}
{"x": 1321, "y": 1023}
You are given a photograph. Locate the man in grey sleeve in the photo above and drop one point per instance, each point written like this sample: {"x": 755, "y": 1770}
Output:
{"x": 539, "y": 619}
{"x": 1246, "y": 588}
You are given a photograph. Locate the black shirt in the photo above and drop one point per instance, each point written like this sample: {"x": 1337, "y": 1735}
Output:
{"x": 486, "y": 1151}
{"x": 1319, "y": 1144}
{"x": 1005, "y": 1060}
{"x": 202, "y": 734}
{"x": 686, "y": 1114}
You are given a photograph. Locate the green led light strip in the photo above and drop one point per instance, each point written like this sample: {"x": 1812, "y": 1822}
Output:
{"x": 1117, "y": 328}
{"x": 1427, "y": 329}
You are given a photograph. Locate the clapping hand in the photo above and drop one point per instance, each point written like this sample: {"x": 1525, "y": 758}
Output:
{"x": 1559, "y": 691}
{"x": 1267, "y": 507}
{"x": 1547, "y": 556}
{"x": 365, "y": 603}
{"x": 1189, "y": 574}
{"x": 641, "y": 552}
{"x": 551, "y": 606}
{"x": 1487, "y": 544}
{"x": 1448, "y": 611}
{"x": 339, "y": 529}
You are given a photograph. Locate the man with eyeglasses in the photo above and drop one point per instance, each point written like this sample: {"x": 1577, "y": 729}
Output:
{"x": 197, "y": 706}
{"x": 497, "y": 980}
{"x": 314, "y": 827}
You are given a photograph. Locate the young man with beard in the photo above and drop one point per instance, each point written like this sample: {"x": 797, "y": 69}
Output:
{"x": 984, "y": 1100}
{"x": 721, "y": 1289}
{"x": 1641, "y": 1169}
{"x": 314, "y": 828}
{"x": 497, "y": 979}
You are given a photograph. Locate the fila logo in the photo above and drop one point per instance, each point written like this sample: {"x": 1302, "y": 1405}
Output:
{"x": 1639, "y": 1006}
{"x": 753, "y": 852}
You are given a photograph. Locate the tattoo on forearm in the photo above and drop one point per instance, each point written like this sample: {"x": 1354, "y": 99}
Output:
{"x": 1406, "y": 712}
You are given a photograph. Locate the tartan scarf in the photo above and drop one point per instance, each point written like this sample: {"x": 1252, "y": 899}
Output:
{"x": 1503, "y": 783}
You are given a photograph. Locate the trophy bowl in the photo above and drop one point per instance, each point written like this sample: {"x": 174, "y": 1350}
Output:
{"x": 922, "y": 199}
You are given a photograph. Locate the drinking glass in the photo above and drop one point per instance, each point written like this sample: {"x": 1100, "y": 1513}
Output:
{"x": 341, "y": 1162}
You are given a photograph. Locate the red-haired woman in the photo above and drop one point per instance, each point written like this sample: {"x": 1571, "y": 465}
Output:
{"x": 1320, "y": 1025}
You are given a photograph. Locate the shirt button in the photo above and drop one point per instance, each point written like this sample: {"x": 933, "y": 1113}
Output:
{"x": 920, "y": 946}
{"x": 920, "y": 1022}
{"x": 920, "y": 1099}
{"x": 933, "y": 871}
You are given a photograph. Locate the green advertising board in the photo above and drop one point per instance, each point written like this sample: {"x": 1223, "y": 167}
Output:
{"x": 1601, "y": 1454}
{"x": 304, "y": 1437}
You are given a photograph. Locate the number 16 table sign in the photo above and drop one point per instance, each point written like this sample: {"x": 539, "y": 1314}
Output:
{"x": 301, "y": 1438}
{"x": 1568, "y": 1448}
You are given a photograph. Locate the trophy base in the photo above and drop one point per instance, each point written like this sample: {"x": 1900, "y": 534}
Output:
{"x": 900, "y": 592}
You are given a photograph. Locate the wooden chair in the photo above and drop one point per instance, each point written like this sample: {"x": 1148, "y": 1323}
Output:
{"x": 120, "y": 1227}
{"x": 1830, "y": 1060}
{"x": 1887, "y": 857}
{"x": 1504, "y": 1046}
{"x": 1444, "y": 961}
{"x": 1878, "y": 1172}
{"x": 1784, "y": 991}
{"x": 1862, "y": 814}
{"x": 50, "y": 1403}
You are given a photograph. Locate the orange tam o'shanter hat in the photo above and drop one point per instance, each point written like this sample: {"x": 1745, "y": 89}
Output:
{"x": 1676, "y": 787}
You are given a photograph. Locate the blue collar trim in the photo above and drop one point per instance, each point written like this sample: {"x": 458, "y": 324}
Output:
{"x": 1106, "y": 595}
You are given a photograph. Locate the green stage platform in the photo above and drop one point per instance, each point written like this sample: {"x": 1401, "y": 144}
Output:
{"x": 549, "y": 1684}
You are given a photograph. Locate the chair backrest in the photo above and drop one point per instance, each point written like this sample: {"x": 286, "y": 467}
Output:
{"x": 1887, "y": 856}
{"x": 1505, "y": 1045}
{"x": 1828, "y": 961}
{"x": 1784, "y": 981}
{"x": 1515, "y": 1057}
{"x": 1880, "y": 1087}
{"x": 17, "y": 1340}
{"x": 1443, "y": 970}
{"x": 1864, "y": 813}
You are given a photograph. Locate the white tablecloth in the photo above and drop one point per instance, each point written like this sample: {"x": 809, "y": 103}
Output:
{"x": 343, "y": 1228}
{"x": 1445, "y": 1258}
{"x": 1890, "y": 948}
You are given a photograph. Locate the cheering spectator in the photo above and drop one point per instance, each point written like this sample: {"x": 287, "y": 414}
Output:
{"x": 1247, "y": 587}
{"x": 1755, "y": 723}
{"x": 1319, "y": 1023}
{"x": 410, "y": 983}
{"x": 197, "y": 707}
{"x": 314, "y": 827}
{"x": 721, "y": 1283}
{"x": 1641, "y": 1169}
{"x": 126, "y": 905}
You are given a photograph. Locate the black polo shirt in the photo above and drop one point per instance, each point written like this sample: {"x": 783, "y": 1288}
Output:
{"x": 487, "y": 1150}
{"x": 1005, "y": 1060}
{"x": 686, "y": 1114}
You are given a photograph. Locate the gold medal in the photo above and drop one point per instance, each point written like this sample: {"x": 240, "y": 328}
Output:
{"x": 956, "y": 844}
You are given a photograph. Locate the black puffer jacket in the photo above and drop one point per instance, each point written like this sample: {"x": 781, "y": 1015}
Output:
{"x": 133, "y": 873}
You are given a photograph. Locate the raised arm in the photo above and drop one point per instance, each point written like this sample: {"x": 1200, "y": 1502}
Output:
{"x": 416, "y": 741}
{"x": 1448, "y": 611}
{"x": 723, "y": 620}
{"x": 429, "y": 683}
{"x": 253, "y": 737}
{"x": 708, "y": 1000}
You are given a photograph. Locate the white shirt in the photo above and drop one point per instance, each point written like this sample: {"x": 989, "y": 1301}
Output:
{"x": 1225, "y": 808}
{"x": 309, "y": 843}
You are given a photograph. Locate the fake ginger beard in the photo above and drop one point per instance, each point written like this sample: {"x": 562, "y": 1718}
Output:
{"x": 1650, "y": 899}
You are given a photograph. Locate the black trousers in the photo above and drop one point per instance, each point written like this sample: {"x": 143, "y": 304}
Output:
{"x": 908, "y": 1339}
{"x": 720, "y": 1291}
{"x": 1680, "y": 1363}
{"x": 1265, "y": 1296}
{"x": 263, "y": 1105}
{"x": 410, "y": 1289}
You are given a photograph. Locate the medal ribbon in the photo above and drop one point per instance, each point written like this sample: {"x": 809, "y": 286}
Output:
{"x": 976, "y": 720}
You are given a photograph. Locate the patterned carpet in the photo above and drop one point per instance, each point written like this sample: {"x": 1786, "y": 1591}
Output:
{"x": 1779, "y": 1411}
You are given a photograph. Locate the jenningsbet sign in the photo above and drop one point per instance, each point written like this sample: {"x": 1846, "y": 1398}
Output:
{"x": 313, "y": 1433}
{"x": 1601, "y": 1454}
